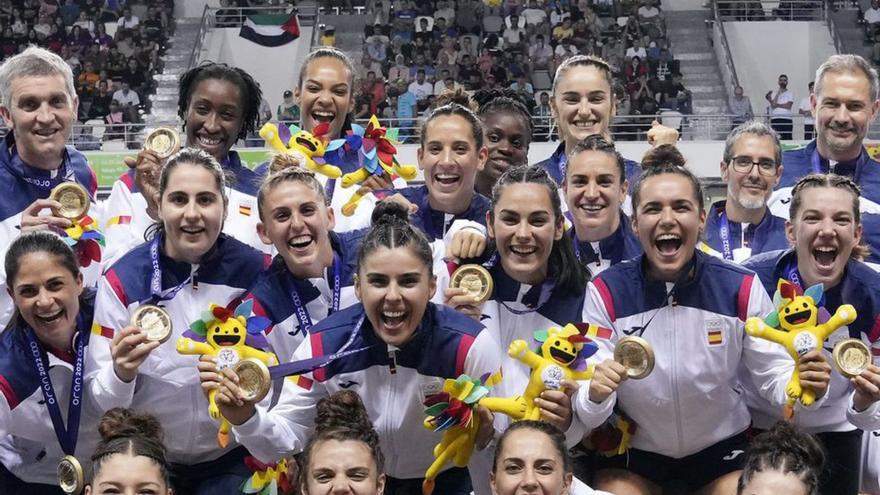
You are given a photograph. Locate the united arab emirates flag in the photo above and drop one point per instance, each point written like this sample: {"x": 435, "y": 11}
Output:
{"x": 270, "y": 29}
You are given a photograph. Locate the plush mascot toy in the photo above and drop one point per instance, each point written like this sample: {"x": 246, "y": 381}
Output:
{"x": 375, "y": 147}
{"x": 796, "y": 316}
{"x": 452, "y": 412}
{"x": 561, "y": 356}
{"x": 308, "y": 147}
{"x": 228, "y": 335}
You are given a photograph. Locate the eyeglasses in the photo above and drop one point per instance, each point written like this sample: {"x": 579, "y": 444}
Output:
{"x": 744, "y": 165}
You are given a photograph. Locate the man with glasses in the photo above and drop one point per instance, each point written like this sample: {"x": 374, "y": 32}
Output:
{"x": 741, "y": 225}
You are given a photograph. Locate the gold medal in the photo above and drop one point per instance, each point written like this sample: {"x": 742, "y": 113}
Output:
{"x": 253, "y": 379}
{"x": 154, "y": 321}
{"x": 851, "y": 357}
{"x": 74, "y": 200}
{"x": 163, "y": 141}
{"x": 70, "y": 475}
{"x": 475, "y": 280}
{"x": 636, "y": 355}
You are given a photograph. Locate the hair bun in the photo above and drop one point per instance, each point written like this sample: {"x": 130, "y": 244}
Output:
{"x": 458, "y": 97}
{"x": 485, "y": 96}
{"x": 344, "y": 409}
{"x": 663, "y": 155}
{"x": 785, "y": 438}
{"x": 123, "y": 423}
{"x": 389, "y": 211}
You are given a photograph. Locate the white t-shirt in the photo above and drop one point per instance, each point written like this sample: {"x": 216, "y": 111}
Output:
{"x": 562, "y": 52}
{"x": 805, "y": 105}
{"x": 872, "y": 15}
{"x": 126, "y": 99}
{"x": 636, "y": 52}
{"x": 421, "y": 91}
{"x": 786, "y": 97}
{"x": 648, "y": 12}
{"x": 534, "y": 17}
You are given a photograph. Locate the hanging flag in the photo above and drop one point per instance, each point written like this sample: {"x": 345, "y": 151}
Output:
{"x": 270, "y": 29}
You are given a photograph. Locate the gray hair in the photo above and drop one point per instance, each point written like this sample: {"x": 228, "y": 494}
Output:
{"x": 848, "y": 63}
{"x": 34, "y": 61}
{"x": 755, "y": 128}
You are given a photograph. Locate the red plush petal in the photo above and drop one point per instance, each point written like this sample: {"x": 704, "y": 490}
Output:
{"x": 321, "y": 129}
{"x": 221, "y": 313}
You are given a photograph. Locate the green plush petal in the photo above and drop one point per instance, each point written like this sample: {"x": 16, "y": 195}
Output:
{"x": 541, "y": 335}
{"x": 772, "y": 319}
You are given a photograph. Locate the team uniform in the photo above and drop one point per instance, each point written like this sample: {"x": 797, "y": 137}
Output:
{"x": 391, "y": 381}
{"x": 738, "y": 241}
{"x": 21, "y": 185}
{"x": 32, "y": 450}
{"x": 167, "y": 385}
{"x": 128, "y": 220}
{"x": 294, "y": 305}
{"x": 834, "y": 420}
{"x": 690, "y": 419}
{"x": 621, "y": 245}
{"x": 436, "y": 224}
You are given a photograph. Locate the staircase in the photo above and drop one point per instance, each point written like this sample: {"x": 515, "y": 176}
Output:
{"x": 690, "y": 42}
{"x": 852, "y": 34}
{"x": 349, "y": 33}
{"x": 180, "y": 45}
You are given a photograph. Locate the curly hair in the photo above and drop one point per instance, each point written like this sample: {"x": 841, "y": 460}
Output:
{"x": 250, "y": 92}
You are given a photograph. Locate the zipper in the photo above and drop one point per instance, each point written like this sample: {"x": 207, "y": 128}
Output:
{"x": 194, "y": 275}
{"x": 675, "y": 395}
{"x": 389, "y": 408}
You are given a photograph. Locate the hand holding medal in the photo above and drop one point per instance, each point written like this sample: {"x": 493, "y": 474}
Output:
{"x": 159, "y": 145}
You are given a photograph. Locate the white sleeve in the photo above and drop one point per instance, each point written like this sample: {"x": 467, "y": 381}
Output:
{"x": 5, "y": 417}
{"x": 869, "y": 419}
{"x": 285, "y": 429}
{"x": 769, "y": 366}
{"x": 105, "y": 388}
{"x": 589, "y": 414}
{"x": 118, "y": 233}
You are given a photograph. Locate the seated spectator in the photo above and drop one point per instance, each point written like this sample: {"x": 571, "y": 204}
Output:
{"x": 543, "y": 117}
{"x": 563, "y": 31}
{"x": 19, "y": 27}
{"x": 633, "y": 71}
{"x": 872, "y": 19}
{"x": 422, "y": 90}
{"x": 115, "y": 121}
{"x": 498, "y": 70}
{"x": 375, "y": 87}
{"x": 134, "y": 76}
{"x": 78, "y": 40}
{"x": 445, "y": 10}
{"x": 449, "y": 85}
{"x": 540, "y": 55}
{"x": 637, "y": 50}
{"x": 649, "y": 15}
{"x": 467, "y": 46}
{"x": 128, "y": 101}
{"x": 523, "y": 87}
{"x": 101, "y": 99}
{"x": 85, "y": 22}
{"x": 377, "y": 49}
{"x": 442, "y": 30}
{"x": 468, "y": 73}
{"x": 400, "y": 70}
{"x": 676, "y": 97}
{"x": 288, "y": 110}
{"x": 493, "y": 42}
{"x": 559, "y": 14}
{"x": 87, "y": 82}
{"x": 362, "y": 104}
{"x": 101, "y": 38}
{"x": 518, "y": 65}
{"x": 514, "y": 35}
{"x": 444, "y": 66}
{"x": 420, "y": 65}
{"x": 43, "y": 26}
{"x": 127, "y": 21}
{"x": 57, "y": 39}
{"x": 564, "y": 50}
{"x": 632, "y": 31}
{"x": 226, "y": 17}
{"x": 468, "y": 15}
{"x": 534, "y": 15}
{"x": 69, "y": 12}
{"x": 440, "y": 84}
{"x": 484, "y": 62}
{"x": 447, "y": 51}
{"x": 582, "y": 36}
{"x": 424, "y": 26}
{"x": 740, "y": 107}
{"x": 8, "y": 44}
{"x": 368, "y": 65}
{"x": 406, "y": 109}
{"x": 388, "y": 110}
{"x": 155, "y": 24}
{"x": 492, "y": 20}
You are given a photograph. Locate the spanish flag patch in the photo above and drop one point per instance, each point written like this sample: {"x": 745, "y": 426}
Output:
{"x": 244, "y": 210}
{"x": 715, "y": 337}
{"x": 102, "y": 331}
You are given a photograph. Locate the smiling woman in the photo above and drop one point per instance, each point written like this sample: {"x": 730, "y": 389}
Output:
{"x": 391, "y": 349}
{"x": 187, "y": 265}
{"x": 43, "y": 349}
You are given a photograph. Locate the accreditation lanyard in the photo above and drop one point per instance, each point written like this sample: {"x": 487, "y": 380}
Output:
{"x": 816, "y": 164}
{"x": 66, "y": 435}
{"x": 302, "y": 313}
{"x": 156, "y": 277}
{"x": 311, "y": 364}
{"x": 43, "y": 183}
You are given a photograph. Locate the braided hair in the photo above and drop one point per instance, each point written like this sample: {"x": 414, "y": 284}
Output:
{"x": 250, "y": 92}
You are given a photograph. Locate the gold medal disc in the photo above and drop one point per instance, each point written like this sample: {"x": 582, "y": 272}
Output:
{"x": 163, "y": 142}
{"x": 74, "y": 200}
{"x": 851, "y": 357}
{"x": 636, "y": 355}
{"x": 475, "y": 280}
{"x": 253, "y": 379}
{"x": 154, "y": 321}
{"x": 70, "y": 475}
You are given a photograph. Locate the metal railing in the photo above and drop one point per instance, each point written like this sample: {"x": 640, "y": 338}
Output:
{"x": 234, "y": 17}
{"x": 722, "y": 49}
{"x": 832, "y": 29}
{"x": 130, "y": 137}
{"x": 782, "y": 10}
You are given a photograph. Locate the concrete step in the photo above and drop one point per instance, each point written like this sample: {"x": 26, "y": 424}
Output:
{"x": 695, "y": 56}
{"x": 709, "y": 90}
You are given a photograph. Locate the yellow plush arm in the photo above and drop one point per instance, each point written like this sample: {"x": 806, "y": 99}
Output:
{"x": 191, "y": 347}
{"x": 355, "y": 177}
{"x": 251, "y": 352}
{"x": 844, "y": 315}
{"x": 269, "y": 132}
{"x": 520, "y": 351}
{"x": 757, "y": 328}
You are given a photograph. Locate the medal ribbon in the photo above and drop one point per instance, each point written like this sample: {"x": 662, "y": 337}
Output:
{"x": 43, "y": 183}
{"x": 311, "y": 364}
{"x": 156, "y": 277}
{"x": 67, "y": 436}
{"x": 302, "y": 313}
{"x": 724, "y": 232}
